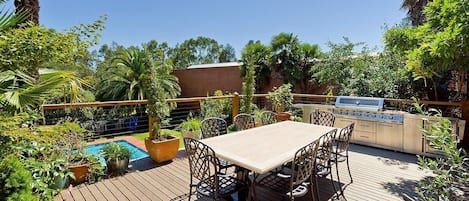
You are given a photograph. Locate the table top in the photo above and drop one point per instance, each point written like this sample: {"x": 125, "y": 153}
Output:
{"x": 264, "y": 148}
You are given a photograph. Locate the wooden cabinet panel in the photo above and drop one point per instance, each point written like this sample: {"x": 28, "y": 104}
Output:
{"x": 342, "y": 122}
{"x": 367, "y": 137}
{"x": 390, "y": 135}
{"x": 368, "y": 126}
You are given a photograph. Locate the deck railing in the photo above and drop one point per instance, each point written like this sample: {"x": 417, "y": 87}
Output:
{"x": 124, "y": 117}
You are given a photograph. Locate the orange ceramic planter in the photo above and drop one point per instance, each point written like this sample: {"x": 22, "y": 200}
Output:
{"x": 80, "y": 172}
{"x": 283, "y": 116}
{"x": 161, "y": 151}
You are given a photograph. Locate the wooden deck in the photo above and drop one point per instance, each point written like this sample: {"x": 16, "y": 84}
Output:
{"x": 377, "y": 174}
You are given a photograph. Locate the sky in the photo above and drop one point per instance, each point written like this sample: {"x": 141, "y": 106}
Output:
{"x": 234, "y": 22}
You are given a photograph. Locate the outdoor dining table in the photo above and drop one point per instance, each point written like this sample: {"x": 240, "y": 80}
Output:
{"x": 265, "y": 148}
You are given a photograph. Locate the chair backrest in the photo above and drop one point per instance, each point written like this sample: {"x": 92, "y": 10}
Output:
{"x": 203, "y": 164}
{"x": 244, "y": 121}
{"x": 303, "y": 163}
{"x": 323, "y": 155}
{"x": 212, "y": 127}
{"x": 268, "y": 117}
{"x": 323, "y": 118}
{"x": 342, "y": 138}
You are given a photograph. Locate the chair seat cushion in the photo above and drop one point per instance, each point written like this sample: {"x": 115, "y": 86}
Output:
{"x": 228, "y": 185}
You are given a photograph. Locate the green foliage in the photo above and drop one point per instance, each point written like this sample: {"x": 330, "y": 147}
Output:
{"x": 281, "y": 97}
{"x": 192, "y": 124}
{"x": 114, "y": 151}
{"x": 9, "y": 19}
{"x": 26, "y": 49}
{"x": 451, "y": 170}
{"x": 216, "y": 108}
{"x": 438, "y": 44}
{"x": 249, "y": 85}
{"x": 201, "y": 50}
{"x": 15, "y": 180}
{"x": 257, "y": 54}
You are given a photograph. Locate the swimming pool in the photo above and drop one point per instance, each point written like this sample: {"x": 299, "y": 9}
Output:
{"x": 137, "y": 153}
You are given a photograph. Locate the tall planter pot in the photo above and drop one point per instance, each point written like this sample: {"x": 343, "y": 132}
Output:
{"x": 161, "y": 151}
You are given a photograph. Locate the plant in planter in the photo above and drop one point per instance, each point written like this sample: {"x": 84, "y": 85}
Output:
{"x": 191, "y": 127}
{"x": 117, "y": 158}
{"x": 79, "y": 162}
{"x": 281, "y": 98}
{"x": 159, "y": 85}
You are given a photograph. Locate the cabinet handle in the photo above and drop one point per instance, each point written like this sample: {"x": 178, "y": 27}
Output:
{"x": 387, "y": 125}
{"x": 364, "y": 136}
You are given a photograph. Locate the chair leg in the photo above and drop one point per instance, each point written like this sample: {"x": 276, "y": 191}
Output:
{"x": 190, "y": 192}
{"x": 333, "y": 185}
{"x": 348, "y": 167}
{"x": 338, "y": 177}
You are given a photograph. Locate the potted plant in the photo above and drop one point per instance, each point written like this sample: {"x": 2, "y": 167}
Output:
{"x": 117, "y": 157}
{"x": 281, "y": 98}
{"x": 159, "y": 85}
{"x": 191, "y": 127}
{"x": 78, "y": 161}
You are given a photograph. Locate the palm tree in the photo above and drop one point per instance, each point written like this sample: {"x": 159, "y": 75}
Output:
{"x": 10, "y": 19}
{"x": 20, "y": 92}
{"x": 126, "y": 79}
{"x": 32, "y": 6}
{"x": 415, "y": 10}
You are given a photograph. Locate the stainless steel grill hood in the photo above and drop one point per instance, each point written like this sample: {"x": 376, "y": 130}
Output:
{"x": 362, "y": 103}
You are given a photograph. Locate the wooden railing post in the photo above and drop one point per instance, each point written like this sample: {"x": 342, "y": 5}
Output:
{"x": 235, "y": 104}
{"x": 465, "y": 116}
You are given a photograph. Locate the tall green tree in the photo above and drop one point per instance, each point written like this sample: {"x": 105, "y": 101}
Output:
{"x": 201, "y": 50}
{"x": 30, "y": 47}
{"x": 439, "y": 44}
{"x": 258, "y": 55}
{"x": 126, "y": 78}
{"x": 285, "y": 56}
{"x": 414, "y": 10}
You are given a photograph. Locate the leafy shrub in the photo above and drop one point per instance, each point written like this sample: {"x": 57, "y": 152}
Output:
{"x": 114, "y": 151}
{"x": 216, "y": 108}
{"x": 15, "y": 180}
{"x": 451, "y": 169}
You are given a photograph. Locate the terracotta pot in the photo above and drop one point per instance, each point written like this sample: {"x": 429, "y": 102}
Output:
{"x": 161, "y": 151}
{"x": 116, "y": 166}
{"x": 283, "y": 116}
{"x": 80, "y": 172}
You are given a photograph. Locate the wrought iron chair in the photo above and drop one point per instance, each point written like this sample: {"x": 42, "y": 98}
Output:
{"x": 323, "y": 118}
{"x": 204, "y": 167}
{"x": 268, "y": 117}
{"x": 340, "y": 150}
{"x": 323, "y": 157}
{"x": 293, "y": 182}
{"x": 211, "y": 127}
{"x": 244, "y": 121}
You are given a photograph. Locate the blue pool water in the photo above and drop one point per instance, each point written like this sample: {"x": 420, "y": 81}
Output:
{"x": 137, "y": 153}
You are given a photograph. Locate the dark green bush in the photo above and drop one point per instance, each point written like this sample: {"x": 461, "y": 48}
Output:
{"x": 15, "y": 180}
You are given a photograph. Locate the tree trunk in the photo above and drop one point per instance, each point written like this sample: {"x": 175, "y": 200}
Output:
{"x": 32, "y": 6}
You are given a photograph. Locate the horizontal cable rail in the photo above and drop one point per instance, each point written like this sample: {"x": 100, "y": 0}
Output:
{"x": 112, "y": 118}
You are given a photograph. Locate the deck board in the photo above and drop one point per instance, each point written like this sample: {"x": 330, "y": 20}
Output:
{"x": 377, "y": 174}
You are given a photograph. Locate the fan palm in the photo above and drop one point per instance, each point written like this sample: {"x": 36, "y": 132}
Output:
{"x": 20, "y": 92}
{"x": 415, "y": 10}
{"x": 126, "y": 78}
{"x": 10, "y": 19}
